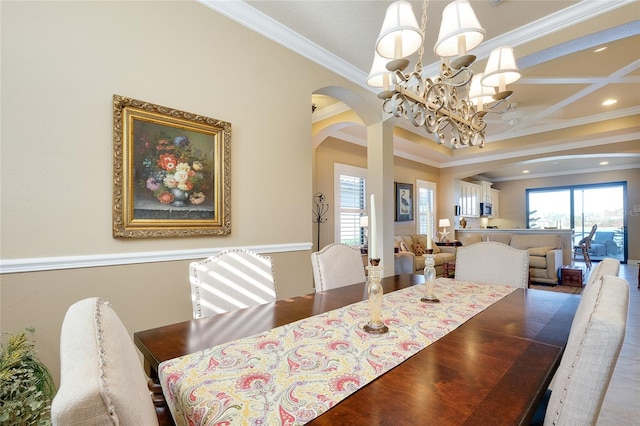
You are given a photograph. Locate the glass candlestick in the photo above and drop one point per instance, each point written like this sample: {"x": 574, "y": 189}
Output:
{"x": 374, "y": 293}
{"x": 429, "y": 279}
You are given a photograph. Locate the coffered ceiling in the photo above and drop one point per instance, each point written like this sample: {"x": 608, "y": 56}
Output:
{"x": 558, "y": 124}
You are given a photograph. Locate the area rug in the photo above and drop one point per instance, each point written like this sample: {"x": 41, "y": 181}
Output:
{"x": 559, "y": 288}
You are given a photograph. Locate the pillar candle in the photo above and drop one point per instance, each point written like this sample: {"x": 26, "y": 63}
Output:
{"x": 373, "y": 240}
{"x": 429, "y": 247}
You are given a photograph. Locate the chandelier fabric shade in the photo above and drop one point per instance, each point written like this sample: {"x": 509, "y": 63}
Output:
{"x": 501, "y": 68}
{"x": 400, "y": 35}
{"x": 480, "y": 94}
{"x": 460, "y": 30}
{"x": 379, "y": 76}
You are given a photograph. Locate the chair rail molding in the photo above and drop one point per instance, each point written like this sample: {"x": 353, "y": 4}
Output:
{"x": 35, "y": 264}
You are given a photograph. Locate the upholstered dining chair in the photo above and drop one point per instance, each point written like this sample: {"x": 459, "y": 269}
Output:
{"x": 337, "y": 265}
{"x": 490, "y": 262}
{"x": 229, "y": 280}
{"x": 583, "y": 247}
{"x": 595, "y": 340}
{"x": 607, "y": 266}
{"x": 101, "y": 378}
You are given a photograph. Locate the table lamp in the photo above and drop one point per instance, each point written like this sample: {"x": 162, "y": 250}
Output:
{"x": 444, "y": 234}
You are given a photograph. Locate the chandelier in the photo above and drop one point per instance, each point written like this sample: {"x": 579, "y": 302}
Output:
{"x": 456, "y": 99}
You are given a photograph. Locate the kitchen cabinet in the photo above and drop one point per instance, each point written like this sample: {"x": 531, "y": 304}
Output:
{"x": 495, "y": 202}
{"x": 469, "y": 201}
{"x": 485, "y": 191}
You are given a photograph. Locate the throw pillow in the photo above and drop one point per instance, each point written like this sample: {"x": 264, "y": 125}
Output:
{"x": 403, "y": 246}
{"x": 539, "y": 251}
{"x": 418, "y": 249}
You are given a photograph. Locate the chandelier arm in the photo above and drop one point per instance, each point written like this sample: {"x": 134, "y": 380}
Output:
{"x": 491, "y": 107}
{"x": 442, "y": 109}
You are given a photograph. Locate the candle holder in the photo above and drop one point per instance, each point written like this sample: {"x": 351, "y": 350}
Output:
{"x": 429, "y": 280}
{"x": 374, "y": 293}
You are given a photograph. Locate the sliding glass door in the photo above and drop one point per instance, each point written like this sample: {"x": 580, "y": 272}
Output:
{"x": 579, "y": 208}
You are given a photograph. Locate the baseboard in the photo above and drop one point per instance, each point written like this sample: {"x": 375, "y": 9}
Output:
{"x": 10, "y": 266}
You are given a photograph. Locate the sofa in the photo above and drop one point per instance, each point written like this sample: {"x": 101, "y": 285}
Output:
{"x": 545, "y": 252}
{"x": 410, "y": 254}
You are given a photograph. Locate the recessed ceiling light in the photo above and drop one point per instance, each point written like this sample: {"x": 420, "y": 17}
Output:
{"x": 600, "y": 49}
{"x": 604, "y": 163}
{"x": 525, "y": 171}
{"x": 609, "y": 102}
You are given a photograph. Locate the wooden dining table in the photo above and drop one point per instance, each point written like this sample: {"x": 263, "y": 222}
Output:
{"x": 493, "y": 369}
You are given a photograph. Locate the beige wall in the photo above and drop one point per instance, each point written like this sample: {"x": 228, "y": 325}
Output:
{"x": 61, "y": 64}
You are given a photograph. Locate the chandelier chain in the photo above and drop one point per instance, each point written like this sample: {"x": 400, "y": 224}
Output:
{"x": 423, "y": 28}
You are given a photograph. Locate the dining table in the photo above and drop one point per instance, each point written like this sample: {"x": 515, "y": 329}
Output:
{"x": 491, "y": 368}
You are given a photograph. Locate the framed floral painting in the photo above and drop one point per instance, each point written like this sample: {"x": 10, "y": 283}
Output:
{"x": 171, "y": 172}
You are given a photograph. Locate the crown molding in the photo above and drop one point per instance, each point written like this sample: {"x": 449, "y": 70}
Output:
{"x": 257, "y": 21}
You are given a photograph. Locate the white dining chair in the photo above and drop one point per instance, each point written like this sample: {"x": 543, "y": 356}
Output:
{"x": 595, "y": 340}
{"x": 337, "y": 265}
{"x": 490, "y": 262}
{"x": 232, "y": 279}
{"x": 101, "y": 378}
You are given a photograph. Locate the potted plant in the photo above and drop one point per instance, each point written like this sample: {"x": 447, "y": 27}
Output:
{"x": 26, "y": 384}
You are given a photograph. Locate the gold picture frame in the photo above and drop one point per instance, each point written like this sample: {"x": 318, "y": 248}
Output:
{"x": 171, "y": 172}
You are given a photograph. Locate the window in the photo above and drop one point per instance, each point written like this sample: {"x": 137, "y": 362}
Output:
{"x": 549, "y": 208}
{"x": 426, "y": 206}
{"x": 579, "y": 208}
{"x": 350, "y": 198}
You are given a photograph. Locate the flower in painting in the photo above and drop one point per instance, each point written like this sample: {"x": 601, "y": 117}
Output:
{"x": 167, "y": 162}
{"x": 153, "y": 184}
{"x": 181, "y": 176}
{"x": 185, "y": 186}
{"x": 197, "y": 166}
{"x": 181, "y": 141}
{"x": 165, "y": 197}
{"x": 170, "y": 182}
{"x": 197, "y": 198}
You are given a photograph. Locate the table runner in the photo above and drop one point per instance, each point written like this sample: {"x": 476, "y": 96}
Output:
{"x": 293, "y": 373}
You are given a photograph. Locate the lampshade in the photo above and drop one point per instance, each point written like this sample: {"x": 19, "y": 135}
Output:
{"x": 501, "y": 68}
{"x": 460, "y": 30}
{"x": 400, "y": 35}
{"x": 479, "y": 94}
{"x": 443, "y": 223}
{"x": 364, "y": 221}
{"x": 379, "y": 73}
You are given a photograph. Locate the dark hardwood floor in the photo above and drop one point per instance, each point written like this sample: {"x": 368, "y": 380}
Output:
{"x": 622, "y": 403}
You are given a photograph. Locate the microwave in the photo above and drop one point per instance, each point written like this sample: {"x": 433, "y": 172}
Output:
{"x": 485, "y": 209}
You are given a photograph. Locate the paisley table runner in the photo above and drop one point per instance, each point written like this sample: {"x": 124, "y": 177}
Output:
{"x": 293, "y": 373}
